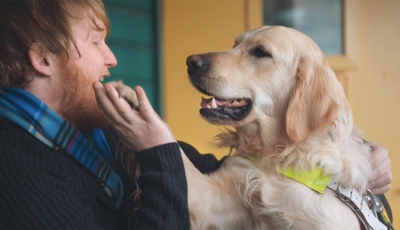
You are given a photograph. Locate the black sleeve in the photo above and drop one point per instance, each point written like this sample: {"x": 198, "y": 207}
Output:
{"x": 163, "y": 183}
{"x": 205, "y": 163}
{"x": 163, "y": 201}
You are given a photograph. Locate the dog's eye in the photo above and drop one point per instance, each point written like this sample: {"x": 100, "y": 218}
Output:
{"x": 258, "y": 52}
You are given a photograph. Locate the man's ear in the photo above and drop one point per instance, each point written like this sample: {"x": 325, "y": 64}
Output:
{"x": 41, "y": 59}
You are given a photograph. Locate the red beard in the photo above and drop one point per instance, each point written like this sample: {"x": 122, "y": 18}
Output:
{"x": 77, "y": 99}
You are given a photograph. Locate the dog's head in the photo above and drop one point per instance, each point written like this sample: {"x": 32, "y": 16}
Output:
{"x": 275, "y": 76}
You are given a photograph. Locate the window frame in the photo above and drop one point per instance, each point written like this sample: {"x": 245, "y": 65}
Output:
{"x": 342, "y": 64}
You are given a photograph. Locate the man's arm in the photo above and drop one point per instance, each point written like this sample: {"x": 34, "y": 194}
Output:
{"x": 163, "y": 201}
{"x": 162, "y": 181}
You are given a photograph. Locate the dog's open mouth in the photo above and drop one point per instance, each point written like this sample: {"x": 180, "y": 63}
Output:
{"x": 236, "y": 109}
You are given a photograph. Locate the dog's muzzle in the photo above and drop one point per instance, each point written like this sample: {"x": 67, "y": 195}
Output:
{"x": 199, "y": 67}
{"x": 197, "y": 64}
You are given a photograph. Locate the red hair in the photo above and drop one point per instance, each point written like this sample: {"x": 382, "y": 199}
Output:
{"x": 46, "y": 23}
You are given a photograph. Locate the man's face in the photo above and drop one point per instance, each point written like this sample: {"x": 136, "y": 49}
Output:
{"x": 77, "y": 74}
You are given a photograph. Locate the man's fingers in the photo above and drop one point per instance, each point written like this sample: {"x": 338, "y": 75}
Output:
{"x": 382, "y": 181}
{"x": 381, "y": 169}
{"x": 381, "y": 190}
{"x": 106, "y": 107}
{"x": 121, "y": 106}
{"x": 372, "y": 144}
{"x": 144, "y": 105}
{"x": 379, "y": 154}
{"x": 381, "y": 172}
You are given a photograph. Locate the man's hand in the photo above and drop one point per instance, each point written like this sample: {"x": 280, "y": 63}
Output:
{"x": 138, "y": 130}
{"x": 381, "y": 172}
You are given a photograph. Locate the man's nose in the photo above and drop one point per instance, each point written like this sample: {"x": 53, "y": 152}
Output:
{"x": 110, "y": 59}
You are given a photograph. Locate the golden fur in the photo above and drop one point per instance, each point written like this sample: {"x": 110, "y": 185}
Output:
{"x": 300, "y": 117}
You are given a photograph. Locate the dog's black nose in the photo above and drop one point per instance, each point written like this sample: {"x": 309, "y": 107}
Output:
{"x": 196, "y": 62}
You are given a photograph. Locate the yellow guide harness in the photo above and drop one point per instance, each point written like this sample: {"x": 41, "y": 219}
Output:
{"x": 316, "y": 180}
{"x": 367, "y": 207}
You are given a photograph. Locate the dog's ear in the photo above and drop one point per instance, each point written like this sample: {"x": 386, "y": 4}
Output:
{"x": 312, "y": 104}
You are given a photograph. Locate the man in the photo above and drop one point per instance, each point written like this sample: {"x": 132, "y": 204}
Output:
{"x": 57, "y": 168}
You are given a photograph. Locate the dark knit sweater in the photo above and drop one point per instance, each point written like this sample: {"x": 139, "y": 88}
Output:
{"x": 41, "y": 188}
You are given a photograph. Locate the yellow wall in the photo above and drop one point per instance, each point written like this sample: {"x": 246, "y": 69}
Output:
{"x": 375, "y": 86}
{"x": 372, "y": 45}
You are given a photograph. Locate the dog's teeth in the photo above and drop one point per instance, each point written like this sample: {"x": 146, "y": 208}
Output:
{"x": 242, "y": 101}
{"x": 213, "y": 104}
{"x": 235, "y": 102}
{"x": 208, "y": 107}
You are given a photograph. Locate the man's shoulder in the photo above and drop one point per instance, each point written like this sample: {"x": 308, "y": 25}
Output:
{"x": 23, "y": 154}
{"x": 48, "y": 175}
{"x": 20, "y": 150}
{"x": 13, "y": 137}
{"x": 6, "y": 126}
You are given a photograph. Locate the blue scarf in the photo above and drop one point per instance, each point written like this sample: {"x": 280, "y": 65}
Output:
{"x": 90, "y": 150}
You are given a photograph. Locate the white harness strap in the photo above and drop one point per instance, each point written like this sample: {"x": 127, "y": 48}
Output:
{"x": 355, "y": 202}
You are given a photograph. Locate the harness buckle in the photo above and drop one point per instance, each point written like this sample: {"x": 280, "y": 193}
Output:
{"x": 373, "y": 201}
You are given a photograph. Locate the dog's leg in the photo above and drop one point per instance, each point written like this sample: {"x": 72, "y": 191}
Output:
{"x": 126, "y": 93}
{"x": 214, "y": 200}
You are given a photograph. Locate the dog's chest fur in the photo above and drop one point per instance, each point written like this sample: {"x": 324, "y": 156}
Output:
{"x": 266, "y": 200}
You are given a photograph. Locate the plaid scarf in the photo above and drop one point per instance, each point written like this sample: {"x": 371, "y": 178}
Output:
{"x": 90, "y": 150}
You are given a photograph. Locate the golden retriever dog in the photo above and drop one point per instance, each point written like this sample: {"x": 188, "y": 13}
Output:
{"x": 286, "y": 109}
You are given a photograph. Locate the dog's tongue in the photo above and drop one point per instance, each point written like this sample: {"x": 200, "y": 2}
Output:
{"x": 208, "y": 103}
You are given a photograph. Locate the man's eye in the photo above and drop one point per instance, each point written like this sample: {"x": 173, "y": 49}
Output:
{"x": 258, "y": 52}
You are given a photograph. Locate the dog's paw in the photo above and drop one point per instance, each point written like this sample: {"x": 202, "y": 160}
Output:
{"x": 126, "y": 93}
